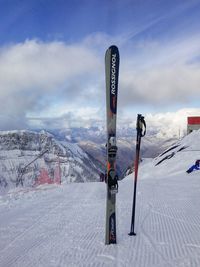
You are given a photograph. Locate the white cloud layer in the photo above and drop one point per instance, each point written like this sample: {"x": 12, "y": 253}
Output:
{"x": 34, "y": 74}
{"x": 53, "y": 79}
{"x": 161, "y": 86}
{"x": 171, "y": 124}
{"x": 160, "y": 74}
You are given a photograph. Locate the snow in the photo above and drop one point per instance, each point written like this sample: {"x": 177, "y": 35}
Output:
{"x": 34, "y": 152}
{"x": 64, "y": 225}
{"x": 75, "y": 149}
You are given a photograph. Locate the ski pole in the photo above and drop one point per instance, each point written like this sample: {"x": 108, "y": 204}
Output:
{"x": 141, "y": 131}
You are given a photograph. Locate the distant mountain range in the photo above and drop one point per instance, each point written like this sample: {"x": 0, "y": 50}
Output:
{"x": 93, "y": 141}
{"x": 25, "y": 154}
{"x": 78, "y": 153}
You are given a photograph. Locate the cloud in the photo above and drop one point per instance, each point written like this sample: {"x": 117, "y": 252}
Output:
{"x": 170, "y": 124}
{"x": 163, "y": 124}
{"x": 81, "y": 118}
{"x": 33, "y": 73}
{"x": 161, "y": 86}
{"x": 51, "y": 80}
{"x": 161, "y": 74}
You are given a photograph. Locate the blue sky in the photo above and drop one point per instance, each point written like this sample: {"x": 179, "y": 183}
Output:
{"x": 71, "y": 21}
{"x": 52, "y": 60}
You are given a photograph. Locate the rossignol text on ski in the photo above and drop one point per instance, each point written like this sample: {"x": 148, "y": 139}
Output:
{"x": 112, "y": 73}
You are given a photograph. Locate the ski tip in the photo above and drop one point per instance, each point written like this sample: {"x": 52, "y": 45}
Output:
{"x": 113, "y": 48}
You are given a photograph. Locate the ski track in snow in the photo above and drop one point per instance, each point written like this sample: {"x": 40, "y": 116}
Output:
{"x": 65, "y": 225}
{"x": 167, "y": 225}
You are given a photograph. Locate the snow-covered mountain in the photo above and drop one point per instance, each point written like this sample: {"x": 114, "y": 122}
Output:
{"x": 42, "y": 152}
{"x": 64, "y": 225}
{"x": 78, "y": 154}
{"x": 179, "y": 157}
{"x": 93, "y": 139}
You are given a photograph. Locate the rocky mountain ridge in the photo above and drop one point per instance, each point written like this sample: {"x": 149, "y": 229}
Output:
{"x": 25, "y": 154}
{"x": 93, "y": 141}
{"x": 79, "y": 154}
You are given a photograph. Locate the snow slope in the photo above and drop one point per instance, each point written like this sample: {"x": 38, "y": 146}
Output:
{"x": 63, "y": 225}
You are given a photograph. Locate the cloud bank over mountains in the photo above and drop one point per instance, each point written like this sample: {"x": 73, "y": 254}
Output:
{"x": 58, "y": 83}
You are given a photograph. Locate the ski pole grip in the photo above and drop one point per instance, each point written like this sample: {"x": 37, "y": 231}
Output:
{"x": 141, "y": 125}
{"x": 144, "y": 126}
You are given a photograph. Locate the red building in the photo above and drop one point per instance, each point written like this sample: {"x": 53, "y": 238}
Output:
{"x": 193, "y": 123}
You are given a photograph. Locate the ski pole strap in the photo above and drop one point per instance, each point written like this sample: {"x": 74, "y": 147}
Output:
{"x": 141, "y": 125}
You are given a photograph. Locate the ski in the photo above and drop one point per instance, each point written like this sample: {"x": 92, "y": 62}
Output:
{"x": 112, "y": 73}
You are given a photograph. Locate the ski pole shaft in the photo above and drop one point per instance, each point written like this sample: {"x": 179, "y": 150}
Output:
{"x": 132, "y": 232}
{"x": 140, "y": 134}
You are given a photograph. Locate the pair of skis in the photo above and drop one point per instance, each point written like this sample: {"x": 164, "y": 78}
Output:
{"x": 112, "y": 74}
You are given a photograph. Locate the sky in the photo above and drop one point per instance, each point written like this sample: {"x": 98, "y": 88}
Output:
{"x": 52, "y": 72}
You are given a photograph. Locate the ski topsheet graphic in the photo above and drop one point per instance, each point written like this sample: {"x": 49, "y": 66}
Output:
{"x": 112, "y": 73}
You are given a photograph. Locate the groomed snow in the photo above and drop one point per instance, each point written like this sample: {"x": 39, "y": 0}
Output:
{"x": 65, "y": 225}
